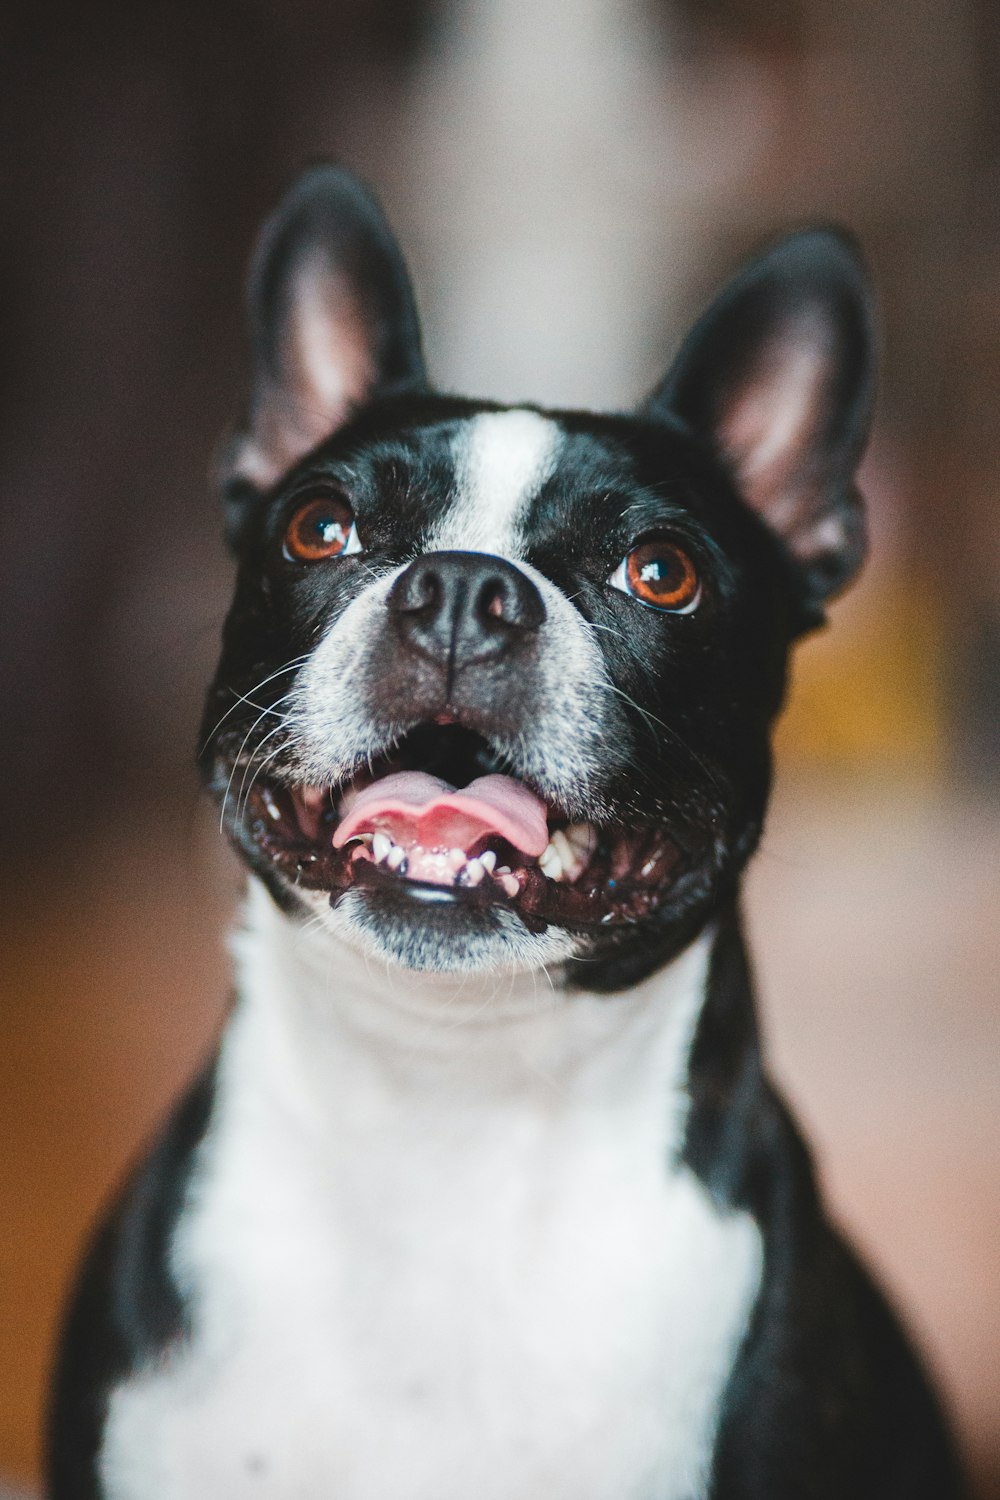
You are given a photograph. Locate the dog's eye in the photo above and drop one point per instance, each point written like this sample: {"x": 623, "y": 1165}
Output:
{"x": 321, "y": 528}
{"x": 658, "y": 573}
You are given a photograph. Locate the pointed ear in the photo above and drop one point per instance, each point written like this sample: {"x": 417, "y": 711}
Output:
{"x": 332, "y": 320}
{"x": 778, "y": 377}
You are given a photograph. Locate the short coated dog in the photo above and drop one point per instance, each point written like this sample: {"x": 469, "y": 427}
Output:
{"x": 486, "y": 1194}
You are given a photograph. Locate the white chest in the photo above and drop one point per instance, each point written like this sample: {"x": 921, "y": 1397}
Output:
{"x": 469, "y": 1271}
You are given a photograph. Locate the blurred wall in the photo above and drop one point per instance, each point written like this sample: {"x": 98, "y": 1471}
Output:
{"x": 142, "y": 145}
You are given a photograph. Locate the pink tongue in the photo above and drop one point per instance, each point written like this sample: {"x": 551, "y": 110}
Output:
{"x": 414, "y": 808}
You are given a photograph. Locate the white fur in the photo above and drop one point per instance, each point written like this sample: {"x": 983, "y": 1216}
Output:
{"x": 578, "y": 730}
{"x": 502, "y": 459}
{"x": 438, "y": 1247}
{"x": 329, "y": 714}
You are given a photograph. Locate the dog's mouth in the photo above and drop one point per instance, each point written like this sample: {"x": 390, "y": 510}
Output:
{"x": 442, "y": 819}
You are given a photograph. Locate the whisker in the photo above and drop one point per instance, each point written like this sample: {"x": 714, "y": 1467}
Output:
{"x": 289, "y": 666}
{"x": 610, "y": 629}
{"x": 241, "y": 800}
{"x": 236, "y": 762}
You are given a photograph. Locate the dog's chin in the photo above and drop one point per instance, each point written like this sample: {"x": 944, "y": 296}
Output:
{"x": 439, "y": 936}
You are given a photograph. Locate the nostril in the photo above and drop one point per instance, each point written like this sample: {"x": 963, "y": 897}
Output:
{"x": 422, "y": 592}
{"x": 428, "y": 592}
{"x": 491, "y": 601}
{"x": 510, "y": 601}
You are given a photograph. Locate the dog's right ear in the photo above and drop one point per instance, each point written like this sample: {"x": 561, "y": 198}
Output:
{"x": 333, "y": 324}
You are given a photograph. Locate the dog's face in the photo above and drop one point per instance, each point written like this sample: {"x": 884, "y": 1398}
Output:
{"x": 497, "y": 683}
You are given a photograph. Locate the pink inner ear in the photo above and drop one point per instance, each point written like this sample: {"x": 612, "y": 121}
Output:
{"x": 770, "y": 427}
{"x": 328, "y": 357}
{"x": 327, "y": 369}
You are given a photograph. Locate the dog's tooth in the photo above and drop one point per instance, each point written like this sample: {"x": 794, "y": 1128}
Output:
{"x": 502, "y": 870}
{"x": 473, "y": 872}
{"x": 575, "y": 845}
{"x": 582, "y": 838}
{"x": 510, "y": 883}
{"x": 550, "y": 863}
{"x": 396, "y": 857}
{"x": 488, "y": 860}
{"x": 273, "y": 810}
{"x": 561, "y": 844}
{"x": 457, "y": 858}
{"x": 381, "y": 845}
{"x": 569, "y": 856}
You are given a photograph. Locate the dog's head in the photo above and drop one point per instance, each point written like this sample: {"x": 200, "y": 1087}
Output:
{"x": 497, "y": 683}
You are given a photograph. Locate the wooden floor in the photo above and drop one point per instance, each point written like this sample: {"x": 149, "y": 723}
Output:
{"x": 877, "y": 929}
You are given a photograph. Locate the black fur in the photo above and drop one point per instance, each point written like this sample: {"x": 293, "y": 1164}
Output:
{"x": 826, "y": 1399}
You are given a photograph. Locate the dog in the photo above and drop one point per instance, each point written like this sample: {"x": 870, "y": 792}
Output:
{"x": 486, "y": 1192}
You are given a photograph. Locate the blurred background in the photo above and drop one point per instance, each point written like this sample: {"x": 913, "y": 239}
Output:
{"x": 570, "y": 178}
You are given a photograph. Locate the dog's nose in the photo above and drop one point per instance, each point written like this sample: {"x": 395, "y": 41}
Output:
{"x": 460, "y": 608}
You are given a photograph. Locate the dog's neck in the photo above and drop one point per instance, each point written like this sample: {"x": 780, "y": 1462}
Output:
{"x": 334, "y": 1030}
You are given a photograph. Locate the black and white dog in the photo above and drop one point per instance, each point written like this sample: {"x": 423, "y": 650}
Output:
{"x": 485, "y": 1195}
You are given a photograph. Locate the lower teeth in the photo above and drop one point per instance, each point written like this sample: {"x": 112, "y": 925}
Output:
{"x": 563, "y": 860}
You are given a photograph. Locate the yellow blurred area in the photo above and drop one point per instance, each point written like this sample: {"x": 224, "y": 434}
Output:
{"x": 866, "y": 695}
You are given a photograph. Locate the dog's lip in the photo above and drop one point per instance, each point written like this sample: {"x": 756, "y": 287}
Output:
{"x": 581, "y": 874}
{"x": 624, "y": 881}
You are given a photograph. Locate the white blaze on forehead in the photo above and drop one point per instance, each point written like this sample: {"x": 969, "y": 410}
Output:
{"x": 502, "y": 459}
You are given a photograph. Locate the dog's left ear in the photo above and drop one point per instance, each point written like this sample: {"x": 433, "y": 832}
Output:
{"x": 333, "y": 323}
{"x": 778, "y": 377}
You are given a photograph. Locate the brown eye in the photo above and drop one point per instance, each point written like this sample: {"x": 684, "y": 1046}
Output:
{"x": 321, "y": 528}
{"x": 660, "y": 574}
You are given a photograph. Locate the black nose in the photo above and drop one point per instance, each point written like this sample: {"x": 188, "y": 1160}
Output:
{"x": 460, "y": 608}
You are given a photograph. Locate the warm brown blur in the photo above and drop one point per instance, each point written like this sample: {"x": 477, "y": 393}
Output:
{"x": 569, "y": 177}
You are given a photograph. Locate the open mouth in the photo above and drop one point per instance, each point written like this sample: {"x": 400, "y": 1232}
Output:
{"x": 443, "y": 819}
